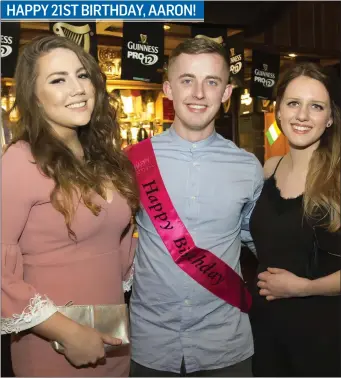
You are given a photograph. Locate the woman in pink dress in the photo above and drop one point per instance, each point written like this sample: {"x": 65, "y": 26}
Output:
{"x": 68, "y": 195}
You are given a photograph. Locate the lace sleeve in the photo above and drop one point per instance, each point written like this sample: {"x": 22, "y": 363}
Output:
{"x": 38, "y": 310}
{"x": 22, "y": 307}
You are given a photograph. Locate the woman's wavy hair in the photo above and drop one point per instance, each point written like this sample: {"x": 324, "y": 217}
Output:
{"x": 322, "y": 189}
{"x": 103, "y": 163}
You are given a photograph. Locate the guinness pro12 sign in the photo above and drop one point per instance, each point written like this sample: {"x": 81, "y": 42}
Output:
{"x": 10, "y": 35}
{"x": 236, "y": 47}
{"x": 265, "y": 71}
{"x": 143, "y": 51}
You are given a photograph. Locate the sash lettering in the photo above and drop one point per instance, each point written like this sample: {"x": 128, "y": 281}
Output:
{"x": 200, "y": 264}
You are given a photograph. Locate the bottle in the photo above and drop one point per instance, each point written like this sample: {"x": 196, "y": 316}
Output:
{"x": 129, "y": 136}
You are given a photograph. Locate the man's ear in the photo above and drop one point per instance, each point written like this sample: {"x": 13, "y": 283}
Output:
{"x": 167, "y": 90}
{"x": 227, "y": 93}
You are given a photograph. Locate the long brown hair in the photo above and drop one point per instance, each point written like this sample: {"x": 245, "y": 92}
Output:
{"x": 103, "y": 159}
{"x": 321, "y": 198}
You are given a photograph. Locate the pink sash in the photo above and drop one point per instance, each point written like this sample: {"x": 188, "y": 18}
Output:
{"x": 202, "y": 265}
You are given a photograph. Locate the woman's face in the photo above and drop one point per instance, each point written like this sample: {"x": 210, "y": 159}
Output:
{"x": 64, "y": 90}
{"x": 305, "y": 111}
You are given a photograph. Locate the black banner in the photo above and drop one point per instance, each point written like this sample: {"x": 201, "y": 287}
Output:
{"x": 10, "y": 37}
{"x": 143, "y": 51}
{"x": 84, "y": 34}
{"x": 264, "y": 76}
{"x": 235, "y": 45}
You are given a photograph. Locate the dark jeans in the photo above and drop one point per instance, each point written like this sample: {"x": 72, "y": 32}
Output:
{"x": 242, "y": 369}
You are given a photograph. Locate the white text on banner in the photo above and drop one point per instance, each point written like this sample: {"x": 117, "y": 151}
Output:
{"x": 126, "y": 10}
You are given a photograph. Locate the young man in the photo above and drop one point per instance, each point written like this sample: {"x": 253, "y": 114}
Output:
{"x": 181, "y": 324}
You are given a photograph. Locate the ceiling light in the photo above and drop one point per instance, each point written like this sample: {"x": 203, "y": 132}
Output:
{"x": 166, "y": 27}
{"x": 292, "y": 55}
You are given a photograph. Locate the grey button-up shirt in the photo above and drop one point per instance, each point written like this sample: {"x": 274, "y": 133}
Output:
{"x": 213, "y": 186}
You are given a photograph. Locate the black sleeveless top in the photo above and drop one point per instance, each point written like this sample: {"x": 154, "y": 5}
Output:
{"x": 285, "y": 239}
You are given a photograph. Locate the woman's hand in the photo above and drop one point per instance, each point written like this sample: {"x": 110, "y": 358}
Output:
{"x": 278, "y": 283}
{"x": 86, "y": 346}
{"x": 82, "y": 345}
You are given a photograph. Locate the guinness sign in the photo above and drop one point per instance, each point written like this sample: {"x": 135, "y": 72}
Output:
{"x": 236, "y": 49}
{"x": 265, "y": 71}
{"x": 143, "y": 51}
{"x": 10, "y": 35}
{"x": 83, "y": 35}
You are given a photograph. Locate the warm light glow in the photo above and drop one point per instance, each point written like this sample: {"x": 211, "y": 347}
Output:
{"x": 245, "y": 98}
{"x": 4, "y": 103}
{"x": 166, "y": 27}
{"x": 124, "y": 134}
{"x": 134, "y": 131}
{"x": 128, "y": 106}
{"x": 150, "y": 109}
{"x": 292, "y": 55}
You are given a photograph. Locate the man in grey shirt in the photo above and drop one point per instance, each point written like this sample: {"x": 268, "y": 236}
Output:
{"x": 178, "y": 327}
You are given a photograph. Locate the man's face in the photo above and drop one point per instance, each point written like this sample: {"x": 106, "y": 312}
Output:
{"x": 197, "y": 85}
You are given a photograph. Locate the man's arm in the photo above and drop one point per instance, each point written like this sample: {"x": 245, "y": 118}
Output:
{"x": 258, "y": 182}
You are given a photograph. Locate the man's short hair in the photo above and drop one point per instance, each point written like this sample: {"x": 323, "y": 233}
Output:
{"x": 195, "y": 46}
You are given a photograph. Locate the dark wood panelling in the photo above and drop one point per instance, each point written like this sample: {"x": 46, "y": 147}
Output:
{"x": 318, "y": 23}
{"x": 294, "y": 24}
{"x": 281, "y": 31}
{"x": 331, "y": 20}
{"x": 306, "y": 25}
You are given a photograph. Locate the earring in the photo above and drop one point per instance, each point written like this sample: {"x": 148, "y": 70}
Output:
{"x": 329, "y": 124}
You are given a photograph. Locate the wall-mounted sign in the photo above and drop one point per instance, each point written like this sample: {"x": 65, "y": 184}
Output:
{"x": 236, "y": 49}
{"x": 10, "y": 36}
{"x": 264, "y": 76}
{"x": 143, "y": 51}
{"x": 245, "y": 98}
{"x": 246, "y": 103}
{"x": 110, "y": 62}
{"x": 83, "y": 34}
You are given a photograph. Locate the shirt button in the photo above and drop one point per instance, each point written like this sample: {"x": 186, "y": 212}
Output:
{"x": 193, "y": 197}
{"x": 187, "y": 302}
{"x": 195, "y": 164}
{"x": 194, "y": 146}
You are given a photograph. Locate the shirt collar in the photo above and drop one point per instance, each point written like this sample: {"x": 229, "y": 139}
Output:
{"x": 191, "y": 145}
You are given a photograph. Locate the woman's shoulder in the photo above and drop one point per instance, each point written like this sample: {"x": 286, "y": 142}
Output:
{"x": 18, "y": 158}
{"x": 270, "y": 165}
{"x": 21, "y": 150}
{"x": 21, "y": 174}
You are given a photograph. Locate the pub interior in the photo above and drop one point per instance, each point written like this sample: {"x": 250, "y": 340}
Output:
{"x": 286, "y": 31}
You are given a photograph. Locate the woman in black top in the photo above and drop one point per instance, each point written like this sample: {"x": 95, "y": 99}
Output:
{"x": 296, "y": 229}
